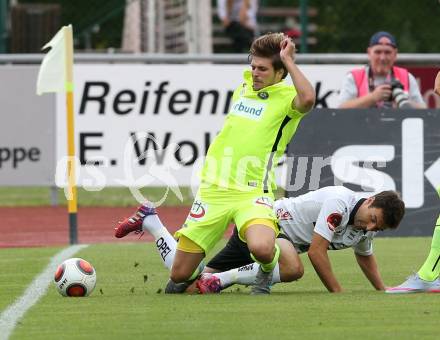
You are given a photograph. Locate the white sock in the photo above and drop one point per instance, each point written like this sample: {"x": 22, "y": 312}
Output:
{"x": 276, "y": 277}
{"x": 245, "y": 275}
{"x": 166, "y": 245}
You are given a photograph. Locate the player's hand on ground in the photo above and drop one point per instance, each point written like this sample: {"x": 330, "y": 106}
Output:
{"x": 287, "y": 50}
{"x": 382, "y": 92}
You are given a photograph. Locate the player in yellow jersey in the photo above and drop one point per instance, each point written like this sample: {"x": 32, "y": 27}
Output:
{"x": 237, "y": 179}
{"x": 427, "y": 278}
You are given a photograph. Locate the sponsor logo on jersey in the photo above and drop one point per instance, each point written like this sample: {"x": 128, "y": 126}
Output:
{"x": 263, "y": 95}
{"x": 284, "y": 215}
{"x": 248, "y": 108}
{"x": 264, "y": 201}
{"x": 198, "y": 211}
{"x": 333, "y": 221}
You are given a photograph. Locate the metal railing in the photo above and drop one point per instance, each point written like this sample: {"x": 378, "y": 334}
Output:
{"x": 318, "y": 58}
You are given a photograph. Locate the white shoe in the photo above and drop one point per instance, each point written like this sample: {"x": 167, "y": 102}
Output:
{"x": 414, "y": 284}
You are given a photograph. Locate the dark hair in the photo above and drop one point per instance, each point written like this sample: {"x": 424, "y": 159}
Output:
{"x": 268, "y": 46}
{"x": 392, "y": 206}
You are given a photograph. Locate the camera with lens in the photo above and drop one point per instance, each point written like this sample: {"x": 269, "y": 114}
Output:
{"x": 399, "y": 96}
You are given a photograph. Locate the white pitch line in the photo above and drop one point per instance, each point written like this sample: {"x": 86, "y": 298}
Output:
{"x": 10, "y": 316}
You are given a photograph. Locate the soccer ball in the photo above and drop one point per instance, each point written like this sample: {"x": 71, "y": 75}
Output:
{"x": 75, "y": 277}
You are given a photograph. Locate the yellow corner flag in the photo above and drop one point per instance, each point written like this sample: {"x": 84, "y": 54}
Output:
{"x": 56, "y": 75}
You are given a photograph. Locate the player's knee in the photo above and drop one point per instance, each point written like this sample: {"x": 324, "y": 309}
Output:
{"x": 299, "y": 271}
{"x": 291, "y": 267}
{"x": 263, "y": 251}
{"x": 292, "y": 273}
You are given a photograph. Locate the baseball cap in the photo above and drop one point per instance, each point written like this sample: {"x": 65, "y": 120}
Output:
{"x": 374, "y": 40}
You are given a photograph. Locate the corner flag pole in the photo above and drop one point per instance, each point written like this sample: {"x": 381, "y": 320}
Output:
{"x": 56, "y": 75}
{"x": 72, "y": 201}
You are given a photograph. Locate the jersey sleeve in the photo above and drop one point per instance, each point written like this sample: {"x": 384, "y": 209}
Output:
{"x": 364, "y": 247}
{"x": 291, "y": 111}
{"x": 330, "y": 217}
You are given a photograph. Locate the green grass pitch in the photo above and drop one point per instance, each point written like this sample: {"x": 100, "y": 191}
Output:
{"x": 123, "y": 306}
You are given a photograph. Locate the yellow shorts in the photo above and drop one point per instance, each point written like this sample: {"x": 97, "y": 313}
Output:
{"x": 188, "y": 246}
{"x": 215, "y": 208}
{"x": 261, "y": 221}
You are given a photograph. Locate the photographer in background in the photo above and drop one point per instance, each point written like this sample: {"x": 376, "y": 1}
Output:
{"x": 380, "y": 84}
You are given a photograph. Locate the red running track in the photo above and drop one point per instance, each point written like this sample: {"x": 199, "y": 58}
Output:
{"x": 49, "y": 226}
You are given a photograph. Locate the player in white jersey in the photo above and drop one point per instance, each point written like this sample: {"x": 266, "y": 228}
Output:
{"x": 330, "y": 218}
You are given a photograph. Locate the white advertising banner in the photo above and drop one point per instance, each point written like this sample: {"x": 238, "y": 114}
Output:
{"x": 150, "y": 125}
{"x": 27, "y": 129}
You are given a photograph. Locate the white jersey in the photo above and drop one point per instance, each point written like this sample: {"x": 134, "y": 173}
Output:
{"x": 329, "y": 212}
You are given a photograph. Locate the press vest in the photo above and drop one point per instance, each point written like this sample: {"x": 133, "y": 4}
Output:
{"x": 360, "y": 76}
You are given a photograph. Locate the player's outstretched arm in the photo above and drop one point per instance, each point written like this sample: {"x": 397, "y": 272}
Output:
{"x": 305, "y": 98}
{"x": 318, "y": 256}
{"x": 369, "y": 267}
